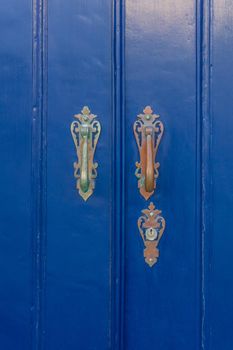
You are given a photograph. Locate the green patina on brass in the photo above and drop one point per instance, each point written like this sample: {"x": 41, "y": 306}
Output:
{"x": 84, "y": 173}
{"x": 85, "y": 131}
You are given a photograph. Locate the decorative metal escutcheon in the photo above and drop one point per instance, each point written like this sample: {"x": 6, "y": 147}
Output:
{"x": 148, "y": 131}
{"x": 85, "y": 131}
{"x": 151, "y": 226}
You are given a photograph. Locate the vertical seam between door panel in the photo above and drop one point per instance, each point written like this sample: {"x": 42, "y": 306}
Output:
{"x": 198, "y": 215}
{"x": 206, "y": 168}
{"x": 38, "y": 173}
{"x": 118, "y": 171}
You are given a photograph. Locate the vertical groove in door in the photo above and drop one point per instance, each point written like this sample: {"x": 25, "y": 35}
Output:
{"x": 206, "y": 167}
{"x": 199, "y": 67}
{"x": 118, "y": 172}
{"x": 38, "y": 173}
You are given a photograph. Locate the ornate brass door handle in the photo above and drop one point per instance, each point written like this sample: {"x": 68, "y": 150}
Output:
{"x": 84, "y": 173}
{"x": 85, "y": 132}
{"x": 149, "y": 173}
{"x": 148, "y": 131}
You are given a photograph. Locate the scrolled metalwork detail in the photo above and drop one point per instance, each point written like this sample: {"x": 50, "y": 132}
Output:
{"x": 151, "y": 226}
{"x": 85, "y": 131}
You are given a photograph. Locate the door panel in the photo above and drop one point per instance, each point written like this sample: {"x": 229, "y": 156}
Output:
{"x": 160, "y": 58}
{"x": 15, "y": 175}
{"x": 219, "y": 277}
{"x": 78, "y": 232}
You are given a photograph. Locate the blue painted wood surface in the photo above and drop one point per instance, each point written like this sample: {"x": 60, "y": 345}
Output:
{"x": 72, "y": 272}
{"x": 163, "y": 303}
{"x": 15, "y": 176}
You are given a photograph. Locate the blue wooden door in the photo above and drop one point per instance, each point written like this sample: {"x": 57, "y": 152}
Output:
{"x": 81, "y": 273}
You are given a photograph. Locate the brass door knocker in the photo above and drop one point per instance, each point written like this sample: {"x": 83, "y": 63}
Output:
{"x": 85, "y": 131}
{"x": 148, "y": 131}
